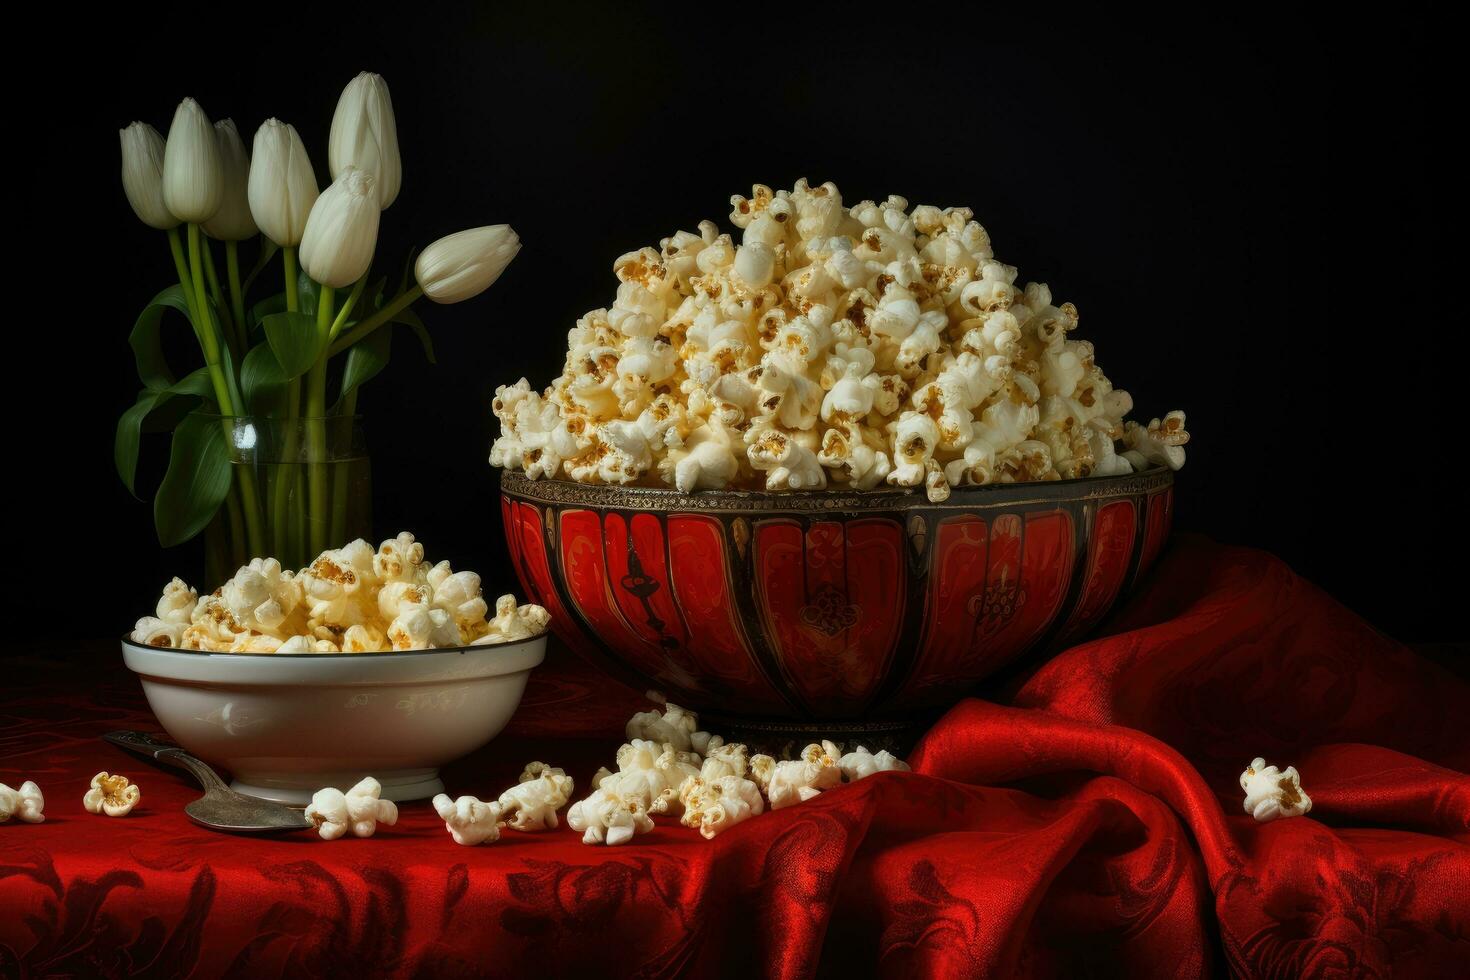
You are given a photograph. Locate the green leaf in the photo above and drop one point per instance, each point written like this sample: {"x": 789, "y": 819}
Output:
{"x": 268, "y": 250}
{"x": 156, "y": 408}
{"x": 262, "y": 380}
{"x": 306, "y": 293}
{"x": 294, "y": 339}
{"x": 410, "y": 319}
{"x": 263, "y": 309}
{"x": 197, "y": 481}
{"x": 146, "y": 340}
{"x": 365, "y": 360}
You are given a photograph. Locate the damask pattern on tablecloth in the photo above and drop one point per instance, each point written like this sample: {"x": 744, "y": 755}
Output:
{"x": 1093, "y": 825}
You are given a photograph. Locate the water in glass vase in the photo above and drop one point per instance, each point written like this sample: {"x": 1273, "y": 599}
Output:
{"x": 298, "y": 487}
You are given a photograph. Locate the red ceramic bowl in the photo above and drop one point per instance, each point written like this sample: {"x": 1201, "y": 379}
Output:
{"x": 833, "y": 606}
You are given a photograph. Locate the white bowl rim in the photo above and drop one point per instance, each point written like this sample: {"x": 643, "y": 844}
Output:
{"x": 128, "y": 641}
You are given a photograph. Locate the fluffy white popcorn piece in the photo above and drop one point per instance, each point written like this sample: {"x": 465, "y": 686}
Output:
{"x": 513, "y": 622}
{"x": 715, "y": 805}
{"x": 261, "y": 596}
{"x": 421, "y": 627}
{"x": 725, "y": 760}
{"x": 607, "y": 818}
{"x": 359, "y": 810}
{"x": 673, "y": 726}
{"x": 305, "y": 644}
{"x": 762, "y": 769}
{"x": 801, "y": 779}
{"x": 340, "y": 587}
{"x": 1271, "y": 793}
{"x": 155, "y": 632}
{"x": 25, "y": 804}
{"x": 650, "y": 771}
{"x": 1161, "y": 444}
{"x": 399, "y": 559}
{"x": 785, "y": 360}
{"x": 176, "y": 605}
{"x": 112, "y": 795}
{"x": 788, "y": 463}
{"x": 705, "y": 461}
{"x": 532, "y": 803}
{"x": 860, "y": 763}
{"x": 468, "y": 820}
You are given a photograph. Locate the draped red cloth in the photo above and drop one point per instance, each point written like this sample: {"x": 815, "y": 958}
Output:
{"x": 1091, "y": 824}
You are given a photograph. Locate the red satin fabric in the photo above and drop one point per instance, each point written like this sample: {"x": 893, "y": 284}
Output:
{"x": 1094, "y": 825}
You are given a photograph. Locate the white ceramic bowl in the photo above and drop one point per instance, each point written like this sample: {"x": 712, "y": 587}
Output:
{"x": 288, "y": 725}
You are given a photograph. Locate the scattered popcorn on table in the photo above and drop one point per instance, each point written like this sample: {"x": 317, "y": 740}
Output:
{"x": 832, "y": 346}
{"x": 650, "y": 771}
{"x": 710, "y": 784}
{"x": 25, "y": 804}
{"x": 359, "y": 810}
{"x": 725, "y": 760}
{"x": 716, "y": 805}
{"x": 1271, "y": 793}
{"x": 532, "y": 803}
{"x": 860, "y": 763}
{"x": 468, "y": 820}
{"x": 800, "y": 780}
{"x": 112, "y": 795}
{"x": 673, "y": 725}
{"x": 607, "y": 818}
{"x": 349, "y": 600}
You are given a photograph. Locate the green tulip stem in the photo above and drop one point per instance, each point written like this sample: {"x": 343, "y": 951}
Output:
{"x": 342, "y": 473}
{"x": 346, "y": 310}
{"x": 223, "y": 391}
{"x": 227, "y": 328}
{"x": 316, "y": 412}
{"x": 237, "y": 295}
{"x": 283, "y": 509}
{"x": 186, "y": 282}
{"x": 293, "y": 285}
{"x": 375, "y": 321}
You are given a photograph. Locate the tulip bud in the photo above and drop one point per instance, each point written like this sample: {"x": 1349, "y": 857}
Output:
{"x": 464, "y": 264}
{"x": 282, "y": 183}
{"x": 342, "y": 230}
{"x": 193, "y": 180}
{"x": 142, "y": 175}
{"x": 232, "y": 222}
{"x": 365, "y": 135}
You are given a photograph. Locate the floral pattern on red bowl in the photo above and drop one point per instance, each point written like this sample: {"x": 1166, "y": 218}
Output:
{"x": 829, "y": 605}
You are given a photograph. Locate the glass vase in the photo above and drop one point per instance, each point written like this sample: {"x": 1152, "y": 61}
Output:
{"x": 297, "y": 487}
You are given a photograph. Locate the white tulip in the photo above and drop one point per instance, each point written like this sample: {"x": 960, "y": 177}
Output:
{"x": 142, "y": 175}
{"x": 465, "y": 264}
{"x": 365, "y": 135}
{"x": 342, "y": 230}
{"x": 282, "y": 183}
{"x": 232, "y": 222}
{"x": 193, "y": 179}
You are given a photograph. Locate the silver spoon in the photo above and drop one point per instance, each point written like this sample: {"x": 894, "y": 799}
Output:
{"x": 220, "y": 808}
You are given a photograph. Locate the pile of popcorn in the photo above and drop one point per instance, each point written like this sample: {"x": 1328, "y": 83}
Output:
{"x": 350, "y": 600}
{"x": 852, "y": 346}
{"x": 667, "y": 766}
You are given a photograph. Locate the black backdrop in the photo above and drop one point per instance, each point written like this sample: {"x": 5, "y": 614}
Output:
{"x": 1249, "y": 216}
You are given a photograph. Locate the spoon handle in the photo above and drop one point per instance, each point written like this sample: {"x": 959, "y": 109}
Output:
{"x": 162, "y": 750}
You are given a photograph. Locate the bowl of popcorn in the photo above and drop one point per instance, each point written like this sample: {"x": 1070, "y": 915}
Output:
{"x": 367, "y": 661}
{"x": 837, "y": 471}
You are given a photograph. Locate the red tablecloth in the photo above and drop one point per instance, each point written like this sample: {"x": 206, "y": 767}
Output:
{"x": 1094, "y": 825}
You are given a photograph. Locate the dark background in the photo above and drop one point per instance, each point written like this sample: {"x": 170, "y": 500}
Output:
{"x": 1253, "y": 218}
